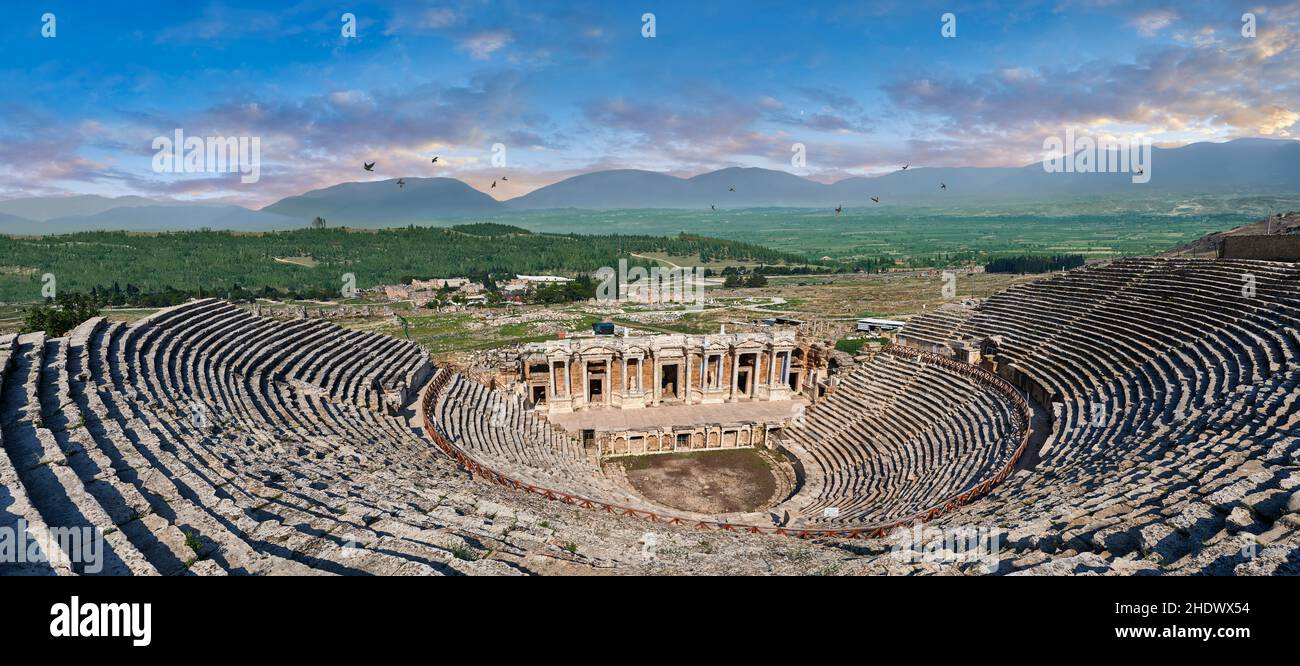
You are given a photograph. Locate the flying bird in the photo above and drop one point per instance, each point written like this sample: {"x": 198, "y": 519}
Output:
{"x": 943, "y": 186}
{"x": 1139, "y": 172}
{"x": 494, "y": 184}
{"x": 875, "y": 199}
{"x": 905, "y": 167}
{"x": 715, "y": 208}
{"x": 731, "y": 189}
{"x": 401, "y": 183}
{"x": 368, "y": 166}
{"x": 435, "y": 160}
{"x": 504, "y": 179}
{"x": 839, "y": 208}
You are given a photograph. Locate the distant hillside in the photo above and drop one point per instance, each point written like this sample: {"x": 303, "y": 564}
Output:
{"x": 383, "y": 203}
{"x": 1208, "y": 245}
{"x": 645, "y": 189}
{"x": 155, "y": 218}
{"x": 216, "y": 261}
{"x": 40, "y": 209}
{"x": 1196, "y": 169}
{"x": 1238, "y": 166}
{"x": 39, "y": 216}
{"x": 621, "y": 188}
{"x": 12, "y": 224}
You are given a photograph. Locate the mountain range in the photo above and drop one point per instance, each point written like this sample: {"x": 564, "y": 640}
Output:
{"x": 38, "y": 216}
{"x": 1262, "y": 165}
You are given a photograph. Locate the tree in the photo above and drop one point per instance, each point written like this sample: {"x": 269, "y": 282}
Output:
{"x": 61, "y": 316}
{"x": 318, "y": 223}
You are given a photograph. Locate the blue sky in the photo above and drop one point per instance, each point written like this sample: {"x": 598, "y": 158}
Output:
{"x": 570, "y": 87}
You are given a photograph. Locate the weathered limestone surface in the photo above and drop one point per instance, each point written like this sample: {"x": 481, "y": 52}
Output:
{"x": 205, "y": 440}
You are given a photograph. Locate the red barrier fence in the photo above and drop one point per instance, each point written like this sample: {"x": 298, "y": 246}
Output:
{"x": 977, "y": 374}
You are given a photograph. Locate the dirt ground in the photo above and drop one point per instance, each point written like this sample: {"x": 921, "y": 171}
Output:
{"x": 705, "y": 482}
{"x": 892, "y": 295}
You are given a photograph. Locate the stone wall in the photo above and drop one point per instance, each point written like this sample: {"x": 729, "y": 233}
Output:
{"x": 1272, "y": 247}
{"x": 626, "y": 372}
{"x": 697, "y": 438}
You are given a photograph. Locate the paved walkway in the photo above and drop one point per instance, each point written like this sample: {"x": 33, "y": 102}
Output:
{"x": 612, "y": 420}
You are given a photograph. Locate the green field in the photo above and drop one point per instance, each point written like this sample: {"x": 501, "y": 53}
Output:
{"x": 969, "y": 232}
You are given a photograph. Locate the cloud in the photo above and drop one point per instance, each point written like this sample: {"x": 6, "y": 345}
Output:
{"x": 1217, "y": 90}
{"x": 1206, "y": 36}
{"x": 834, "y": 112}
{"x": 482, "y": 45}
{"x": 1271, "y": 42}
{"x": 701, "y": 129}
{"x": 1151, "y": 22}
{"x": 307, "y": 142}
{"x": 440, "y": 17}
{"x": 38, "y": 151}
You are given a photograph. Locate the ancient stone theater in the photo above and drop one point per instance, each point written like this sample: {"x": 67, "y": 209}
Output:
{"x": 1133, "y": 416}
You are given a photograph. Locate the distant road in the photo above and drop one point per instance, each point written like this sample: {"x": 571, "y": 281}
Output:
{"x": 663, "y": 261}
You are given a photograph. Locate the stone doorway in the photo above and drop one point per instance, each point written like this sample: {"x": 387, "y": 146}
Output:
{"x": 669, "y": 383}
{"x": 746, "y": 373}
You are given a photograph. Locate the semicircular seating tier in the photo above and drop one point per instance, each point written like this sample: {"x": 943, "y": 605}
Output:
{"x": 500, "y": 433}
{"x": 902, "y": 435}
{"x": 1172, "y": 386}
{"x": 206, "y": 440}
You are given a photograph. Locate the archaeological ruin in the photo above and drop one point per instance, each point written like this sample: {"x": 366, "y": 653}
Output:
{"x": 578, "y": 382}
{"x": 577, "y": 374}
{"x": 1140, "y": 415}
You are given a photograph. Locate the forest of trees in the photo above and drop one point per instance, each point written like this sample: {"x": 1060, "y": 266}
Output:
{"x": 490, "y": 229}
{"x": 117, "y": 296}
{"x": 158, "y": 269}
{"x": 1029, "y": 263}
